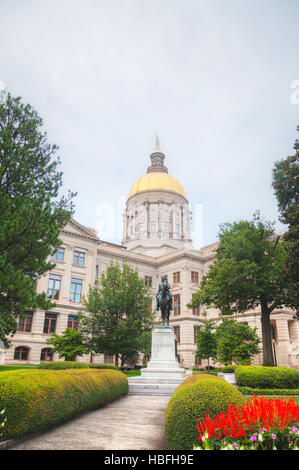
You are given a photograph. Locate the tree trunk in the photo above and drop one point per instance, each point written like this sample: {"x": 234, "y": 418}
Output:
{"x": 268, "y": 359}
{"x": 116, "y": 360}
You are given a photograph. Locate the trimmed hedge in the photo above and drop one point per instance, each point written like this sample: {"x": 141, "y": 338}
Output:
{"x": 197, "y": 395}
{"x": 36, "y": 400}
{"x": 267, "y": 377}
{"x": 268, "y": 391}
{"x": 229, "y": 369}
{"x": 103, "y": 366}
{"x": 61, "y": 365}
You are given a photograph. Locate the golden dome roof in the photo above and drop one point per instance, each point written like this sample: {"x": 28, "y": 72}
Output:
{"x": 157, "y": 181}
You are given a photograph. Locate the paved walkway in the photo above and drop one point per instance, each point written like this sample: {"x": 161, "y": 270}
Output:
{"x": 131, "y": 423}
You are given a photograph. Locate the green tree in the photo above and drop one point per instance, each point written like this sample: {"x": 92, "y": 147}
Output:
{"x": 206, "y": 341}
{"x": 236, "y": 342}
{"x": 118, "y": 312}
{"x": 246, "y": 274}
{"x": 68, "y": 345}
{"x": 31, "y": 213}
{"x": 286, "y": 187}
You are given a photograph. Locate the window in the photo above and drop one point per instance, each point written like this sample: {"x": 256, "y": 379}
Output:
{"x": 46, "y": 354}
{"x": 154, "y": 211}
{"x": 21, "y": 353}
{"x": 73, "y": 322}
{"x": 58, "y": 254}
{"x": 194, "y": 276}
{"x": 196, "y": 331}
{"x": 108, "y": 359}
{"x": 141, "y": 228}
{"x": 195, "y": 310}
{"x": 50, "y": 323}
{"x": 176, "y": 277}
{"x": 176, "y": 330}
{"x": 197, "y": 361}
{"x": 177, "y": 304}
{"x": 54, "y": 286}
{"x": 154, "y": 227}
{"x": 177, "y": 228}
{"x": 79, "y": 258}
{"x": 148, "y": 281}
{"x": 97, "y": 272}
{"x": 25, "y": 324}
{"x": 76, "y": 290}
{"x": 166, "y": 227}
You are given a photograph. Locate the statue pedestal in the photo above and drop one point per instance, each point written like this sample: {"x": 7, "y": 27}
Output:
{"x": 163, "y": 373}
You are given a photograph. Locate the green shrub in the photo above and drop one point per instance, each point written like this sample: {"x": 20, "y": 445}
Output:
{"x": 36, "y": 400}
{"x": 268, "y": 391}
{"x": 103, "y": 366}
{"x": 191, "y": 400}
{"x": 61, "y": 365}
{"x": 267, "y": 377}
{"x": 228, "y": 369}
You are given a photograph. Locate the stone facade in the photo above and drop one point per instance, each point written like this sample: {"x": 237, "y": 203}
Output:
{"x": 156, "y": 241}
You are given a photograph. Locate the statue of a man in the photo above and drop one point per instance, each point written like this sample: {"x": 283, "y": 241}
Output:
{"x": 164, "y": 300}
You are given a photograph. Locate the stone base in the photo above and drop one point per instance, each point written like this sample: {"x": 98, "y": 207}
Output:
{"x": 163, "y": 373}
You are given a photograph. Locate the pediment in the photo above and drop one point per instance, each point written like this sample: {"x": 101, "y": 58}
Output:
{"x": 74, "y": 228}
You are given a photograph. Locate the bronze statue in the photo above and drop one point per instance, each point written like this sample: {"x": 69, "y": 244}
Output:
{"x": 164, "y": 301}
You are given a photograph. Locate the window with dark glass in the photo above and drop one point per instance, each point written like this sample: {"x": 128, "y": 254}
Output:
{"x": 148, "y": 281}
{"x": 196, "y": 332}
{"x": 108, "y": 359}
{"x": 176, "y": 277}
{"x": 194, "y": 276}
{"x": 54, "y": 286}
{"x": 46, "y": 354}
{"x": 177, "y": 304}
{"x": 58, "y": 254}
{"x": 79, "y": 258}
{"x": 73, "y": 322}
{"x": 195, "y": 310}
{"x": 177, "y": 332}
{"x": 25, "y": 323}
{"x": 50, "y": 323}
{"x": 21, "y": 353}
{"x": 76, "y": 290}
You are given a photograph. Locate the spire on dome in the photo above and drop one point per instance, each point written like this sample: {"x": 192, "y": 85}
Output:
{"x": 157, "y": 141}
{"x": 157, "y": 158}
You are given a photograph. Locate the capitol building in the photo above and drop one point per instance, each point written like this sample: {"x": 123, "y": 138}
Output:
{"x": 157, "y": 241}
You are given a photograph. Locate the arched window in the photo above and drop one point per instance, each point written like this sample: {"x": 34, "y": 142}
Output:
{"x": 21, "y": 353}
{"x": 46, "y": 354}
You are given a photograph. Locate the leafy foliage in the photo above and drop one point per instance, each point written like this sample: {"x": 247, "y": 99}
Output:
{"x": 246, "y": 274}
{"x": 118, "y": 313}
{"x": 286, "y": 186}
{"x": 206, "y": 341}
{"x": 68, "y": 345}
{"x": 32, "y": 214}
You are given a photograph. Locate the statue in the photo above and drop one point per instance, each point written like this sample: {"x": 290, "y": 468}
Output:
{"x": 164, "y": 301}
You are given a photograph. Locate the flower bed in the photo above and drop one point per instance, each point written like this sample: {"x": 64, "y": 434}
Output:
{"x": 259, "y": 424}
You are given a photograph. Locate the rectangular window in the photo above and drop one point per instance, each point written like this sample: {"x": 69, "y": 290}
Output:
{"x": 141, "y": 228}
{"x": 176, "y": 277}
{"x": 54, "y": 286}
{"x": 177, "y": 228}
{"x": 25, "y": 324}
{"x": 50, "y": 323}
{"x": 79, "y": 258}
{"x": 58, "y": 254}
{"x": 177, "y": 304}
{"x": 166, "y": 227}
{"x": 76, "y": 290}
{"x": 196, "y": 331}
{"x": 195, "y": 310}
{"x": 72, "y": 322}
{"x": 108, "y": 359}
{"x": 194, "y": 276}
{"x": 97, "y": 272}
{"x": 148, "y": 281}
{"x": 177, "y": 332}
{"x": 154, "y": 227}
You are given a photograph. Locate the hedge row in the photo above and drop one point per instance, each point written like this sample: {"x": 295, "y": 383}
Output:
{"x": 62, "y": 365}
{"x": 35, "y": 400}
{"x": 267, "y": 377}
{"x": 268, "y": 391}
{"x": 191, "y": 400}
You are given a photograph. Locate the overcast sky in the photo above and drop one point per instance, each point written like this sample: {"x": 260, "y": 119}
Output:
{"x": 213, "y": 77}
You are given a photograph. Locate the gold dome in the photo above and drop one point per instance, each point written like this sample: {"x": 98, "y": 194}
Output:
{"x": 157, "y": 181}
